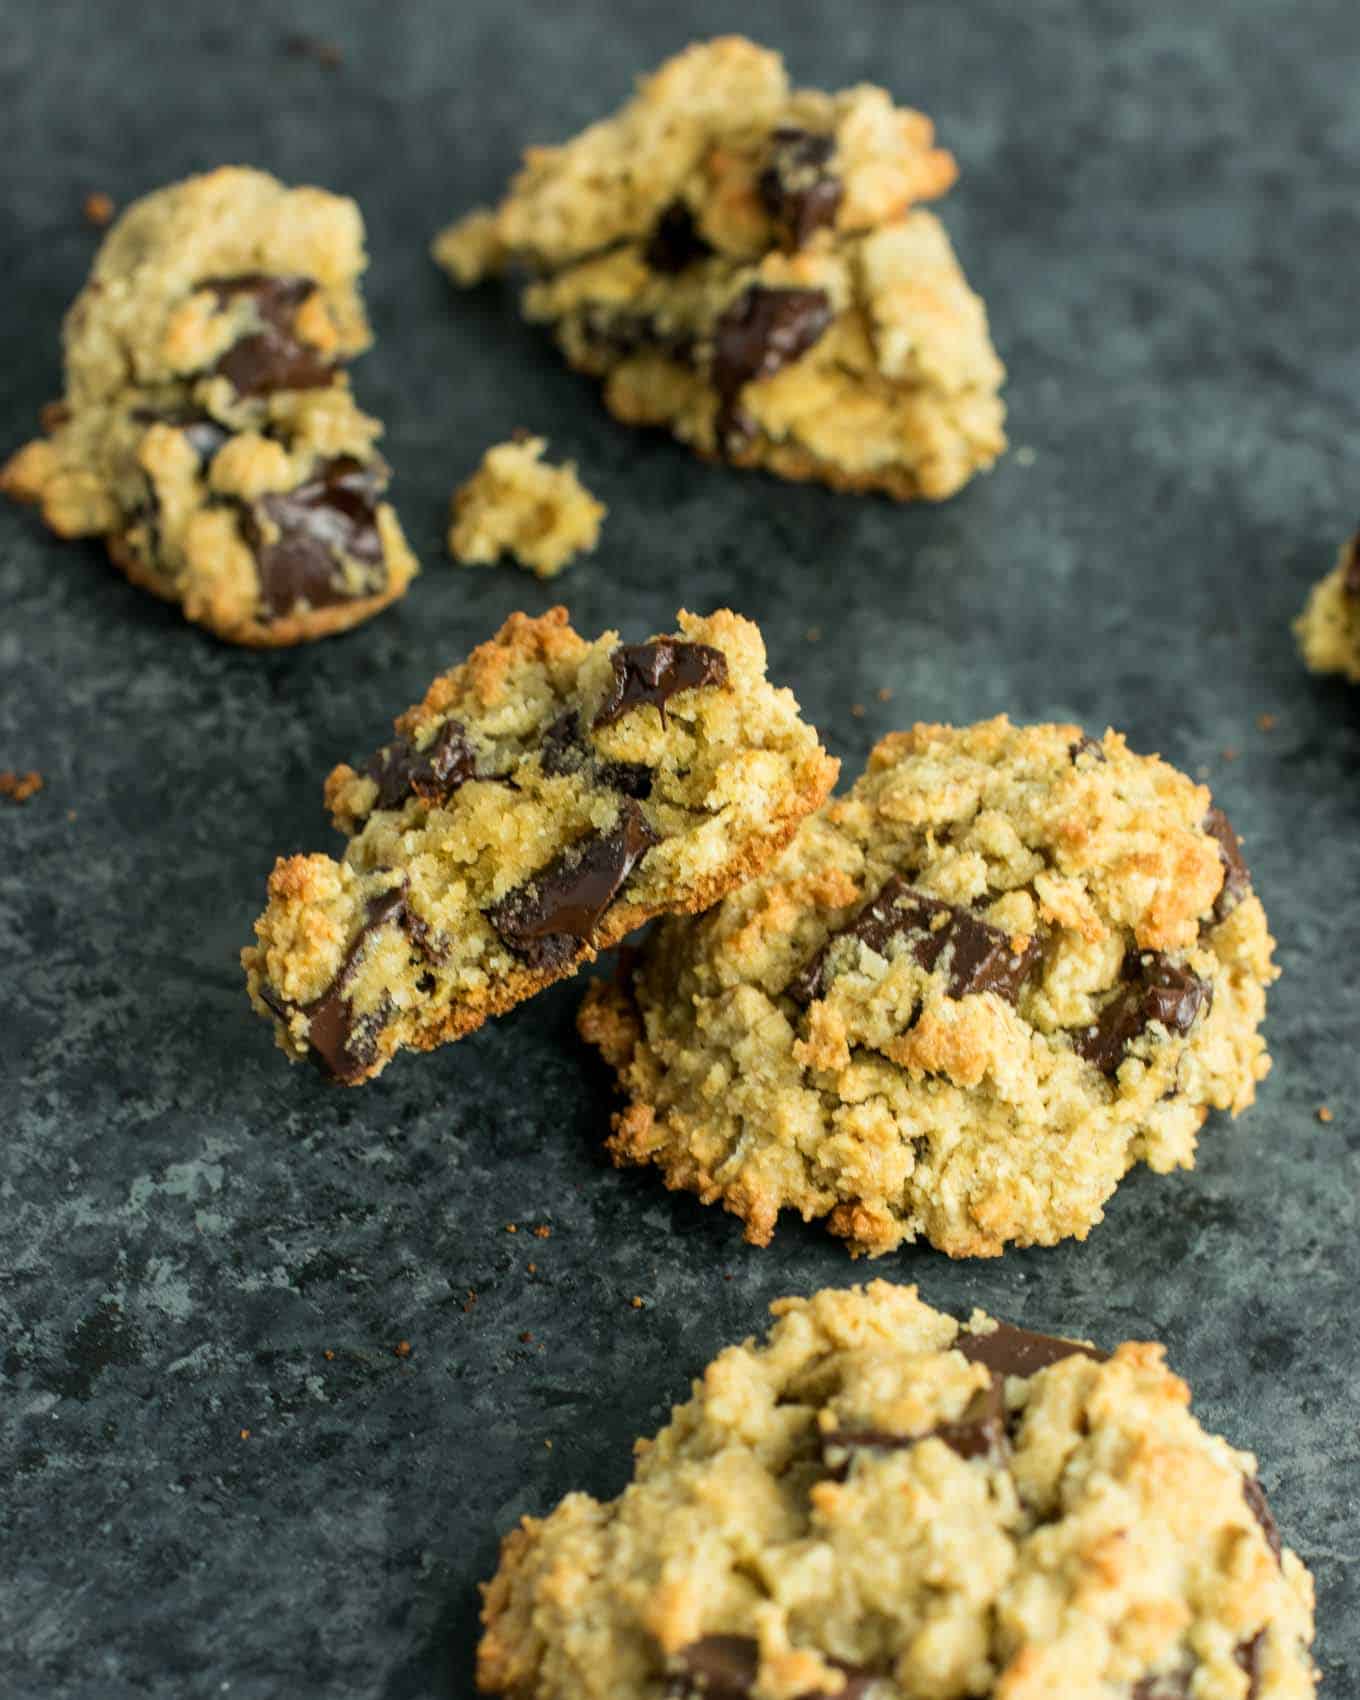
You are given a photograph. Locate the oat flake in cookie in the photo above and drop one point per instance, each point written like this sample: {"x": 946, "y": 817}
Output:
{"x": 547, "y": 796}
{"x": 876, "y": 1504}
{"x": 208, "y": 433}
{"x": 746, "y": 265}
{"x": 1328, "y": 630}
{"x": 1009, "y": 964}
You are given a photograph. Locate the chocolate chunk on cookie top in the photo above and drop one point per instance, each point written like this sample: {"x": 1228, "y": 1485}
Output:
{"x": 1005, "y": 966}
{"x": 748, "y": 265}
{"x": 545, "y": 798}
{"x": 875, "y": 1503}
{"x": 208, "y": 432}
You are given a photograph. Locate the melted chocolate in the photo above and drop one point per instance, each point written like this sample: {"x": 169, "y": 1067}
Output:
{"x": 762, "y": 331}
{"x": 675, "y": 243}
{"x": 1255, "y": 1496}
{"x": 1016, "y": 1351}
{"x": 434, "y": 773}
{"x": 980, "y": 958}
{"x": 724, "y": 1667}
{"x": 332, "y": 514}
{"x": 551, "y": 917}
{"x": 1156, "y": 989}
{"x": 1236, "y": 878}
{"x": 800, "y": 195}
{"x": 655, "y": 672}
{"x": 980, "y": 1432}
{"x": 272, "y": 358}
{"x": 1248, "y": 1656}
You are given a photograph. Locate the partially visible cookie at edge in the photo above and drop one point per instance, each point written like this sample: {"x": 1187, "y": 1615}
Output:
{"x": 546, "y": 797}
{"x": 875, "y": 1503}
{"x": 1010, "y": 963}
{"x": 208, "y": 432}
{"x": 1328, "y": 630}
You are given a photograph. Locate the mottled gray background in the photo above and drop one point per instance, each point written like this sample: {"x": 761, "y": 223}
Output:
{"x": 1160, "y": 206}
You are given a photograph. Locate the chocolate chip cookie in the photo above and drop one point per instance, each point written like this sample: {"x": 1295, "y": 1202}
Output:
{"x": 744, "y": 264}
{"x": 877, "y": 1504}
{"x": 1009, "y": 964}
{"x": 517, "y": 504}
{"x": 208, "y": 432}
{"x": 1328, "y": 630}
{"x": 546, "y": 797}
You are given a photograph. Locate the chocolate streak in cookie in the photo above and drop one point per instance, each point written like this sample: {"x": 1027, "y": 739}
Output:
{"x": 725, "y": 1667}
{"x": 799, "y": 193}
{"x": 981, "y": 958}
{"x": 433, "y": 774}
{"x": 273, "y": 358}
{"x": 762, "y": 331}
{"x": 1156, "y": 990}
{"x": 652, "y": 673}
{"x": 331, "y": 516}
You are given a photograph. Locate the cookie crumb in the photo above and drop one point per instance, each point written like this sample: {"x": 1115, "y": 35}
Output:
{"x": 636, "y": 1302}
{"x": 515, "y": 504}
{"x": 325, "y": 53}
{"x": 1324, "y": 1113}
{"x": 533, "y": 1269}
{"x": 858, "y": 710}
{"x": 884, "y": 693}
{"x": 512, "y": 1227}
{"x": 548, "y": 1444}
{"x": 402, "y": 1349}
{"x": 1228, "y": 754}
{"x": 525, "y": 1337}
{"x": 245, "y": 1434}
{"x": 542, "y": 1232}
{"x": 1267, "y": 722}
{"x": 329, "y": 1355}
{"x": 98, "y": 209}
{"x": 19, "y": 787}
{"x": 469, "y": 1301}
{"x": 1025, "y": 456}
{"x": 813, "y": 634}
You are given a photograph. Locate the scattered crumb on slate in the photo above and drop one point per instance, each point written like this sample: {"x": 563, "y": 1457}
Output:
{"x": 329, "y": 1355}
{"x": 813, "y": 634}
{"x": 327, "y": 54}
{"x": 1324, "y": 1113}
{"x": 542, "y": 1232}
{"x": 1267, "y": 722}
{"x": 857, "y": 709}
{"x": 884, "y": 693}
{"x": 1229, "y": 754}
{"x": 525, "y": 1337}
{"x": 512, "y": 1227}
{"x": 636, "y": 1301}
{"x": 98, "y": 209}
{"x": 19, "y": 787}
{"x": 402, "y": 1349}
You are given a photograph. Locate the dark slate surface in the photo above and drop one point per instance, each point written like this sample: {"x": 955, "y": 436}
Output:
{"x": 1160, "y": 206}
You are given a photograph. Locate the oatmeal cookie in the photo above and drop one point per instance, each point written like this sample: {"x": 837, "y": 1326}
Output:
{"x": 546, "y": 797}
{"x": 208, "y": 433}
{"x": 745, "y": 264}
{"x": 1009, "y": 964}
{"x": 515, "y": 504}
{"x": 1328, "y": 630}
{"x": 877, "y": 1504}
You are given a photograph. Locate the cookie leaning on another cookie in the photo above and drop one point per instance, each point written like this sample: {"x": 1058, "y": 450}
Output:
{"x": 208, "y": 432}
{"x": 1009, "y": 964}
{"x": 744, "y": 264}
{"x": 877, "y": 1504}
{"x": 547, "y": 796}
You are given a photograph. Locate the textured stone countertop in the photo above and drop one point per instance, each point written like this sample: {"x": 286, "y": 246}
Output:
{"x": 1159, "y": 204}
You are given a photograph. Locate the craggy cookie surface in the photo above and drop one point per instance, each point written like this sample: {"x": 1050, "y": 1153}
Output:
{"x": 520, "y": 505}
{"x": 208, "y": 432}
{"x": 879, "y": 1505}
{"x": 545, "y": 798}
{"x": 1009, "y": 964}
{"x": 1328, "y": 630}
{"x": 742, "y": 262}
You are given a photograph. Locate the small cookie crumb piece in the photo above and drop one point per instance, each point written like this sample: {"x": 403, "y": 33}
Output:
{"x": 857, "y": 709}
{"x": 525, "y": 1337}
{"x": 329, "y": 1355}
{"x": 98, "y": 209}
{"x": 515, "y": 504}
{"x": 1324, "y": 1113}
{"x": 512, "y": 1227}
{"x": 636, "y": 1302}
{"x": 542, "y": 1232}
{"x": 19, "y": 787}
{"x": 245, "y": 1434}
{"x": 402, "y": 1349}
{"x": 325, "y": 53}
{"x": 1267, "y": 722}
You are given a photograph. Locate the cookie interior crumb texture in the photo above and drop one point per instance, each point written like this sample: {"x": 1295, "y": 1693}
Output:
{"x": 545, "y": 798}
{"x": 877, "y": 1504}
{"x": 515, "y": 504}
{"x": 208, "y": 433}
{"x": 747, "y": 265}
{"x": 1009, "y": 964}
{"x": 1328, "y": 630}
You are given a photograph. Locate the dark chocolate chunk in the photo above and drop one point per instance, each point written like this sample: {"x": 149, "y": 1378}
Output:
{"x": 1350, "y": 577}
{"x": 980, "y": 957}
{"x": 1173, "y": 1685}
{"x": 1236, "y": 878}
{"x": 622, "y": 334}
{"x": 272, "y": 358}
{"x": 552, "y": 916}
{"x": 675, "y": 242}
{"x": 1016, "y": 1351}
{"x": 761, "y": 332}
{"x": 655, "y": 672}
{"x": 340, "y": 1043}
{"x": 1085, "y": 746}
{"x": 799, "y": 193}
{"x": 980, "y": 1432}
{"x": 563, "y": 750}
{"x": 1255, "y": 1496}
{"x": 1248, "y": 1656}
{"x": 724, "y": 1667}
{"x": 332, "y": 514}
{"x": 1157, "y": 989}
{"x": 433, "y": 773}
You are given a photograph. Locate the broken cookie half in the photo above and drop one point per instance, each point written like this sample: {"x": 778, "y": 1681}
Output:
{"x": 208, "y": 433}
{"x": 546, "y": 797}
{"x": 745, "y": 264}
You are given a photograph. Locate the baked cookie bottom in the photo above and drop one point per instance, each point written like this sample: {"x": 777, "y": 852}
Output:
{"x": 546, "y": 798}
